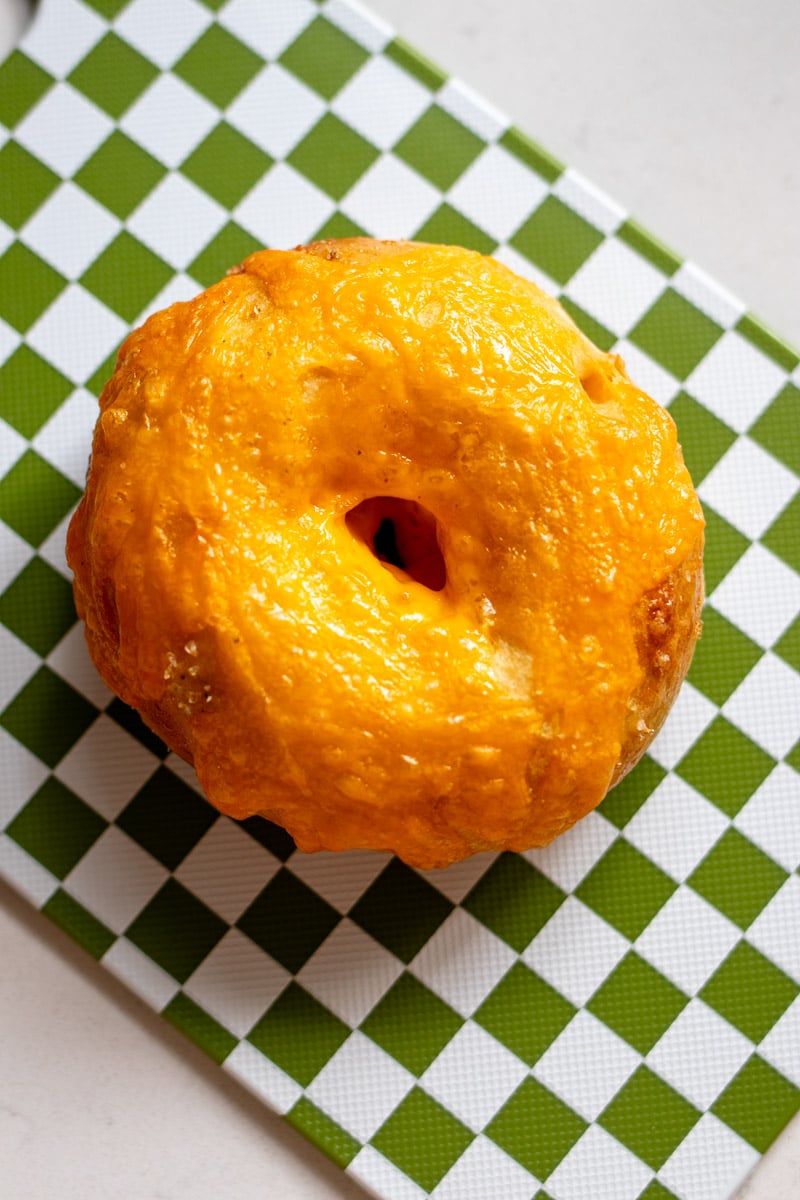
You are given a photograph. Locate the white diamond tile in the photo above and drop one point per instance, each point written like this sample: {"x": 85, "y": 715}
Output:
{"x": 760, "y": 594}
{"x": 28, "y": 876}
{"x": 23, "y": 774}
{"x": 115, "y": 879}
{"x": 584, "y": 198}
{"x": 145, "y": 978}
{"x": 462, "y": 962}
{"x": 236, "y": 983}
{"x": 261, "y": 1077}
{"x": 19, "y": 664}
{"x": 473, "y": 1076}
{"x": 456, "y": 98}
{"x": 163, "y": 32}
{"x": 62, "y": 35}
{"x": 381, "y": 102}
{"x": 675, "y": 827}
{"x": 275, "y": 111}
{"x": 70, "y": 659}
{"x": 484, "y": 1170}
{"x": 9, "y": 338}
{"x": 616, "y": 286}
{"x": 573, "y": 854}
{"x": 267, "y": 29}
{"x": 687, "y": 940}
{"x": 735, "y": 381}
{"x": 381, "y": 1177}
{"x": 775, "y": 930}
{"x": 575, "y": 951}
{"x": 497, "y": 192}
{"x": 647, "y": 374}
{"x": 53, "y": 335}
{"x": 207, "y": 872}
{"x": 710, "y": 1163}
{"x": 390, "y": 200}
{"x": 765, "y": 705}
{"x": 177, "y": 220}
{"x": 771, "y": 817}
{"x": 179, "y": 287}
{"x": 690, "y": 716}
{"x": 699, "y": 1054}
{"x": 600, "y": 1167}
{"x": 459, "y": 879}
{"x": 284, "y": 209}
{"x": 12, "y": 447}
{"x": 586, "y": 1065}
{"x": 66, "y": 439}
{"x": 350, "y": 972}
{"x": 748, "y": 487}
{"x": 339, "y": 878}
{"x": 54, "y": 547}
{"x": 169, "y": 119}
{"x": 356, "y": 20}
{"x": 382, "y": 1084}
{"x": 70, "y": 230}
{"x": 706, "y": 294}
{"x": 781, "y": 1046}
{"x": 106, "y": 767}
{"x": 43, "y": 129}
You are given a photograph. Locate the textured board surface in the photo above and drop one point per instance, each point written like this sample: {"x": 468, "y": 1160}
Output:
{"x": 616, "y": 1016}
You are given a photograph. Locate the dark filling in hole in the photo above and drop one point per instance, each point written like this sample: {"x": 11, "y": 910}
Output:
{"x": 402, "y": 534}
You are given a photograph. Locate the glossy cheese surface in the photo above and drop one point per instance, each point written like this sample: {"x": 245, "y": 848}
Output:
{"x": 229, "y": 597}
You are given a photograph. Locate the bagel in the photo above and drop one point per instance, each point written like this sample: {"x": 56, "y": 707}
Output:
{"x": 375, "y": 538}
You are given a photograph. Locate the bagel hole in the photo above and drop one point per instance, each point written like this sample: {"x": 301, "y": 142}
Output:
{"x": 595, "y": 384}
{"x": 401, "y": 534}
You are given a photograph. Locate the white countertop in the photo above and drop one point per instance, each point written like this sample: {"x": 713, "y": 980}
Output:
{"x": 688, "y": 114}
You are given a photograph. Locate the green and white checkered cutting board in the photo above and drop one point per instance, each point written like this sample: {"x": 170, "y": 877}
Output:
{"x": 616, "y": 1016}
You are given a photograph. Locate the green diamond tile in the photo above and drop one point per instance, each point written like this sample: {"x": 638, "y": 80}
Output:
{"x": 28, "y": 285}
{"x": 725, "y": 545}
{"x": 725, "y": 766}
{"x": 649, "y": 1117}
{"x": 218, "y": 66}
{"x": 749, "y": 991}
{"x": 215, "y": 5}
{"x": 82, "y": 926}
{"x": 132, "y": 723}
{"x": 126, "y": 276}
{"x": 536, "y": 1128}
{"x": 338, "y": 226}
{"x": 113, "y": 75}
{"x": 637, "y": 1002}
{"x": 412, "y": 1024}
{"x": 298, "y": 1034}
{"x": 723, "y": 657}
{"x": 737, "y": 878}
{"x": 596, "y": 332}
{"x": 703, "y": 437}
{"x": 447, "y": 226}
{"x": 324, "y": 57}
{"x": 34, "y": 497}
{"x": 422, "y": 1139}
{"x": 271, "y": 837}
{"x": 333, "y": 156}
{"x": 25, "y": 183}
{"x": 226, "y": 165}
{"x": 196, "y": 1024}
{"x": 48, "y": 716}
{"x": 120, "y": 174}
{"x": 757, "y": 333}
{"x": 167, "y": 818}
{"x": 415, "y": 64}
{"x": 789, "y": 646}
{"x": 656, "y": 1191}
{"x": 38, "y": 606}
{"x": 556, "y": 239}
{"x": 439, "y": 147}
{"x": 626, "y": 889}
{"x": 401, "y": 910}
{"x": 793, "y": 758}
{"x": 176, "y": 930}
{"x": 230, "y": 247}
{"x": 533, "y": 155}
{"x": 783, "y": 536}
{"x": 107, "y": 8}
{"x": 288, "y": 920}
{"x": 525, "y": 1013}
{"x": 323, "y": 1133}
{"x": 56, "y": 827}
{"x": 675, "y": 333}
{"x": 514, "y": 900}
{"x": 22, "y": 83}
{"x": 777, "y": 427}
{"x": 30, "y": 390}
{"x": 98, "y": 380}
{"x": 758, "y": 1103}
{"x": 623, "y": 801}
{"x": 649, "y": 247}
